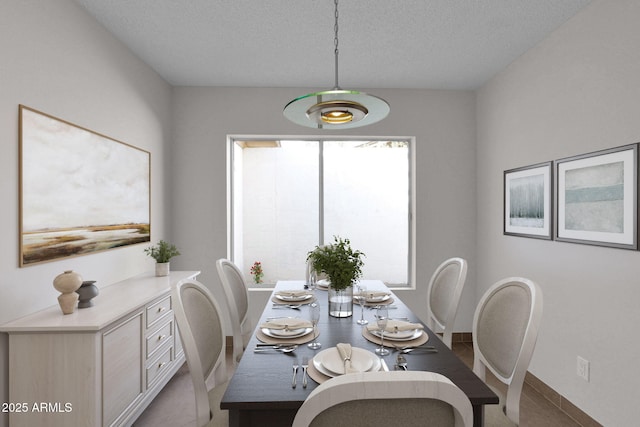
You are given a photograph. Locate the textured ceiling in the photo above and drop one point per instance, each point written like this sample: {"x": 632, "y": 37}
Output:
{"x": 436, "y": 44}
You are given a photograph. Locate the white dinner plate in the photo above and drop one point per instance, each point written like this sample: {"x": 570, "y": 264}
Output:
{"x": 284, "y": 333}
{"x": 409, "y": 335}
{"x": 361, "y": 360}
{"x": 317, "y": 363}
{"x": 380, "y": 298}
{"x": 296, "y": 298}
{"x": 322, "y": 369}
{"x": 323, "y": 283}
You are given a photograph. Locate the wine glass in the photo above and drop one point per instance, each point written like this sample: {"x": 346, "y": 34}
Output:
{"x": 315, "y": 316}
{"x": 382, "y": 316}
{"x": 362, "y": 298}
{"x": 313, "y": 279}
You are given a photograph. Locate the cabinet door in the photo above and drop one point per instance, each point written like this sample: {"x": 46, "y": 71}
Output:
{"x": 122, "y": 374}
{"x": 57, "y": 376}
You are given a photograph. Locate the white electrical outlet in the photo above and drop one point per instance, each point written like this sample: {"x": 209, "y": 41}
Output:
{"x": 583, "y": 368}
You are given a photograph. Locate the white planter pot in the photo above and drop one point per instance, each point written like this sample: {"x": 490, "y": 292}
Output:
{"x": 162, "y": 269}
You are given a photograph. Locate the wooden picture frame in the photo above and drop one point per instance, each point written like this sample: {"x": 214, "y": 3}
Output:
{"x": 597, "y": 198}
{"x": 528, "y": 201}
{"x": 80, "y": 192}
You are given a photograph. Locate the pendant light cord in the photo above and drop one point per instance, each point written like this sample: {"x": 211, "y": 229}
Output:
{"x": 335, "y": 43}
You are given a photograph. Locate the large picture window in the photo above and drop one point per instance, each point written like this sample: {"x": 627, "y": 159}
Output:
{"x": 287, "y": 196}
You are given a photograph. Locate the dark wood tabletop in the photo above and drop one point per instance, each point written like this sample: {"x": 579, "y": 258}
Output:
{"x": 260, "y": 392}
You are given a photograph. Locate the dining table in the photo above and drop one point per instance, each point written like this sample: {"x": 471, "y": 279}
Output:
{"x": 260, "y": 392}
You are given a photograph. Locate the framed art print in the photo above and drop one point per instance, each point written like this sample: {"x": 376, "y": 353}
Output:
{"x": 597, "y": 198}
{"x": 527, "y": 201}
{"x": 80, "y": 191}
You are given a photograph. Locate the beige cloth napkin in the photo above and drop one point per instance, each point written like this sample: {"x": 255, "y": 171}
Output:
{"x": 376, "y": 294}
{"x": 286, "y": 323}
{"x": 396, "y": 326}
{"x": 345, "y": 351}
{"x": 293, "y": 293}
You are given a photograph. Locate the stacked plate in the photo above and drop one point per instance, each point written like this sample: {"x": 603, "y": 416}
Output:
{"x": 398, "y": 330}
{"x": 329, "y": 362}
{"x": 293, "y": 297}
{"x": 409, "y": 335}
{"x": 323, "y": 284}
{"x": 377, "y": 298}
{"x": 286, "y": 328}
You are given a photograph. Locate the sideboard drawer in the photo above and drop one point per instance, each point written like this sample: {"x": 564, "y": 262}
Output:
{"x": 157, "y": 338}
{"x": 158, "y": 310}
{"x": 158, "y": 367}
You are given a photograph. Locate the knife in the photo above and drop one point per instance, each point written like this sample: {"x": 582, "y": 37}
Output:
{"x": 384, "y": 365}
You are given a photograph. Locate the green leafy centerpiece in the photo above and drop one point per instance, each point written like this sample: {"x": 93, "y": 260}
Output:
{"x": 162, "y": 253}
{"x": 343, "y": 266}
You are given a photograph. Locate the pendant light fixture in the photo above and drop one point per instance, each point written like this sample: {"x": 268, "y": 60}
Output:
{"x": 336, "y": 108}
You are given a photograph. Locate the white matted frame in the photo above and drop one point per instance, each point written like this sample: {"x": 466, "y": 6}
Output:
{"x": 597, "y": 198}
{"x": 528, "y": 201}
{"x": 80, "y": 191}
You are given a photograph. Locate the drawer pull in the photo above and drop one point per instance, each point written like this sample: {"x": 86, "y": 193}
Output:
{"x": 161, "y": 364}
{"x": 161, "y": 337}
{"x": 161, "y": 309}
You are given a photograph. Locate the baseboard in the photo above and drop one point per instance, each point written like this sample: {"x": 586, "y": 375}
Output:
{"x": 462, "y": 337}
{"x": 559, "y": 401}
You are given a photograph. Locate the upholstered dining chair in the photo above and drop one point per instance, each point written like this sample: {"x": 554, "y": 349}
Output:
{"x": 237, "y": 294}
{"x": 443, "y": 296}
{"x": 505, "y": 329}
{"x": 414, "y": 398}
{"x": 198, "y": 318}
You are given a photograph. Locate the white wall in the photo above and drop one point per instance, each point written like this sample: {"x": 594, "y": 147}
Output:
{"x": 57, "y": 59}
{"x": 578, "y": 91}
{"x": 442, "y": 121}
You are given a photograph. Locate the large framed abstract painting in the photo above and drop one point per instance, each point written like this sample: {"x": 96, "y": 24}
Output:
{"x": 80, "y": 192}
{"x": 597, "y": 198}
{"x": 527, "y": 201}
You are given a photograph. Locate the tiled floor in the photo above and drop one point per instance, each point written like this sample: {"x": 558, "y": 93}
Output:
{"x": 175, "y": 405}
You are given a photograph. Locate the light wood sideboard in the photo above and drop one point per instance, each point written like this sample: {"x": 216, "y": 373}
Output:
{"x": 99, "y": 366}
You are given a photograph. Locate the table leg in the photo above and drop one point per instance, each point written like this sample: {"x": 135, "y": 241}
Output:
{"x": 478, "y": 415}
{"x": 234, "y": 418}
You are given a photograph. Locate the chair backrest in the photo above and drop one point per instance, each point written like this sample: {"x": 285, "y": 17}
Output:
{"x": 415, "y": 398}
{"x": 505, "y": 329}
{"x": 237, "y": 294}
{"x": 443, "y": 296}
{"x": 198, "y": 318}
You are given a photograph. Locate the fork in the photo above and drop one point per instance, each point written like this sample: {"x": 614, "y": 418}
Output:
{"x": 295, "y": 372}
{"x": 401, "y": 362}
{"x": 305, "y": 364}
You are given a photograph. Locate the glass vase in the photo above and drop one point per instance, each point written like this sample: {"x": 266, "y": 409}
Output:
{"x": 340, "y": 302}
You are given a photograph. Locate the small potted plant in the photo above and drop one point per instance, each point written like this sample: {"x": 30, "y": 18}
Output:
{"x": 256, "y": 272}
{"x": 162, "y": 253}
{"x": 343, "y": 267}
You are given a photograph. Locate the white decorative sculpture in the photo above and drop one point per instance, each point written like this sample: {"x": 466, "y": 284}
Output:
{"x": 67, "y": 283}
